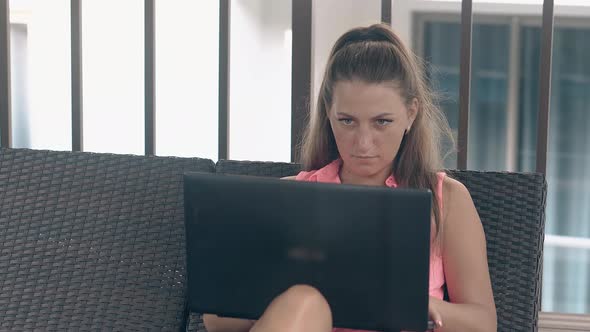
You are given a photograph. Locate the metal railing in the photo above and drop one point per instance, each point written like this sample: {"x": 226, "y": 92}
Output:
{"x": 76, "y": 45}
{"x": 5, "y": 105}
{"x": 301, "y": 76}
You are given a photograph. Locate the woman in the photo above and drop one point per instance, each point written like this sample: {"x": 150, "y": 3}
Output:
{"x": 376, "y": 124}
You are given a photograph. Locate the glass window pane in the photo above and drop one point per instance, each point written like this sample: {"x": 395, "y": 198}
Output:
{"x": 260, "y": 80}
{"x": 489, "y": 87}
{"x": 187, "y": 65}
{"x": 566, "y": 291}
{"x": 530, "y": 51}
{"x": 488, "y": 117}
{"x": 113, "y": 74}
{"x": 440, "y": 47}
{"x": 567, "y": 288}
{"x": 40, "y": 66}
{"x": 432, "y": 29}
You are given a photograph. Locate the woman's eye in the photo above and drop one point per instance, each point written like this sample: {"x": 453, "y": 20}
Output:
{"x": 383, "y": 122}
{"x": 346, "y": 121}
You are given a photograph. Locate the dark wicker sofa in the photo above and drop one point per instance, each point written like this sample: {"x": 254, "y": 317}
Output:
{"x": 93, "y": 241}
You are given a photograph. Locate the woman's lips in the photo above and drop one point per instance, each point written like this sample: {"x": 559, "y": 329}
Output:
{"x": 364, "y": 157}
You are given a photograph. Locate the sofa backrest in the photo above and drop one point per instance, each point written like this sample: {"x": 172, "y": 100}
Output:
{"x": 512, "y": 210}
{"x": 92, "y": 241}
{"x": 96, "y": 241}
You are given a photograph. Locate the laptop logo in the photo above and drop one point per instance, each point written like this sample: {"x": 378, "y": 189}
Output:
{"x": 306, "y": 255}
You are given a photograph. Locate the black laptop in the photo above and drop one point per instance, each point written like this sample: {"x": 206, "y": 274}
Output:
{"x": 366, "y": 249}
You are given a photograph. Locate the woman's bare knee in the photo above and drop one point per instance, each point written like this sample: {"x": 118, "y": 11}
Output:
{"x": 306, "y": 297}
{"x": 300, "y": 308}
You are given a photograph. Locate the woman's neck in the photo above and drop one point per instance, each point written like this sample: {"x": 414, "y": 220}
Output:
{"x": 377, "y": 179}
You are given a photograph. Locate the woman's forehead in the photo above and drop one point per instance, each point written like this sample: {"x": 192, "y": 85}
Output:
{"x": 362, "y": 98}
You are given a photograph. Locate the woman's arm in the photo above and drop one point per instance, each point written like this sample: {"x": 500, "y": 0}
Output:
{"x": 465, "y": 264}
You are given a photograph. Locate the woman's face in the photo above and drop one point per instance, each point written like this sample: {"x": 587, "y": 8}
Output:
{"x": 368, "y": 121}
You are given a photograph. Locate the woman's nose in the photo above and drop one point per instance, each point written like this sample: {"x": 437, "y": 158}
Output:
{"x": 364, "y": 140}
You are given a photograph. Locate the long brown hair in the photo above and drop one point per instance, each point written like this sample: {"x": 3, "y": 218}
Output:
{"x": 375, "y": 54}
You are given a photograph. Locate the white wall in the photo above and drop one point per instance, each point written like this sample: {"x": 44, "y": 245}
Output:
{"x": 113, "y": 75}
{"x": 332, "y": 18}
{"x": 19, "y": 86}
{"x": 260, "y": 82}
{"x": 187, "y": 85}
{"x": 46, "y": 108}
{"x": 186, "y": 76}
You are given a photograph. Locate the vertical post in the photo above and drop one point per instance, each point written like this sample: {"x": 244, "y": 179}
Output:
{"x": 150, "y": 73}
{"x": 545, "y": 85}
{"x": 545, "y": 67}
{"x": 386, "y": 11}
{"x": 5, "y": 97}
{"x": 512, "y": 118}
{"x": 465, "y": 81}
{"x": 224, "y": 65}
{"x": 76, "y": 68}
{"x": 301, "y": 71}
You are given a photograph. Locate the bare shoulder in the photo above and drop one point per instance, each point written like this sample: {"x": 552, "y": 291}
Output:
{"x": 293, "y": 177}
{"x": 458, "y": 203}
{"x": 453, "y": 186}
{"x": 454, "y": 190}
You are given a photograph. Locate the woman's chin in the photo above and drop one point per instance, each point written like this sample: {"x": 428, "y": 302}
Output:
{"x": 366, "y": 169}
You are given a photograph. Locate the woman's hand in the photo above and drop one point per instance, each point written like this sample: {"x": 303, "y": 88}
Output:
{"x": 434, "y": 312}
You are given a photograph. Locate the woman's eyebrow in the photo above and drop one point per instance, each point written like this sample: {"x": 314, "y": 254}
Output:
{"x": 382, "y": 115}
{"x": 378, "y": 116}
{"x": 345, "y": 114}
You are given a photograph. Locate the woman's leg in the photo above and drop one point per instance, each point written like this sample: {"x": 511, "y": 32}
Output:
{"x": 300, "y": 308}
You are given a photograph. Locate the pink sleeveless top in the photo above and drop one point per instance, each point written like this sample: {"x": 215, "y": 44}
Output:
{"x": 329, "y": 174}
